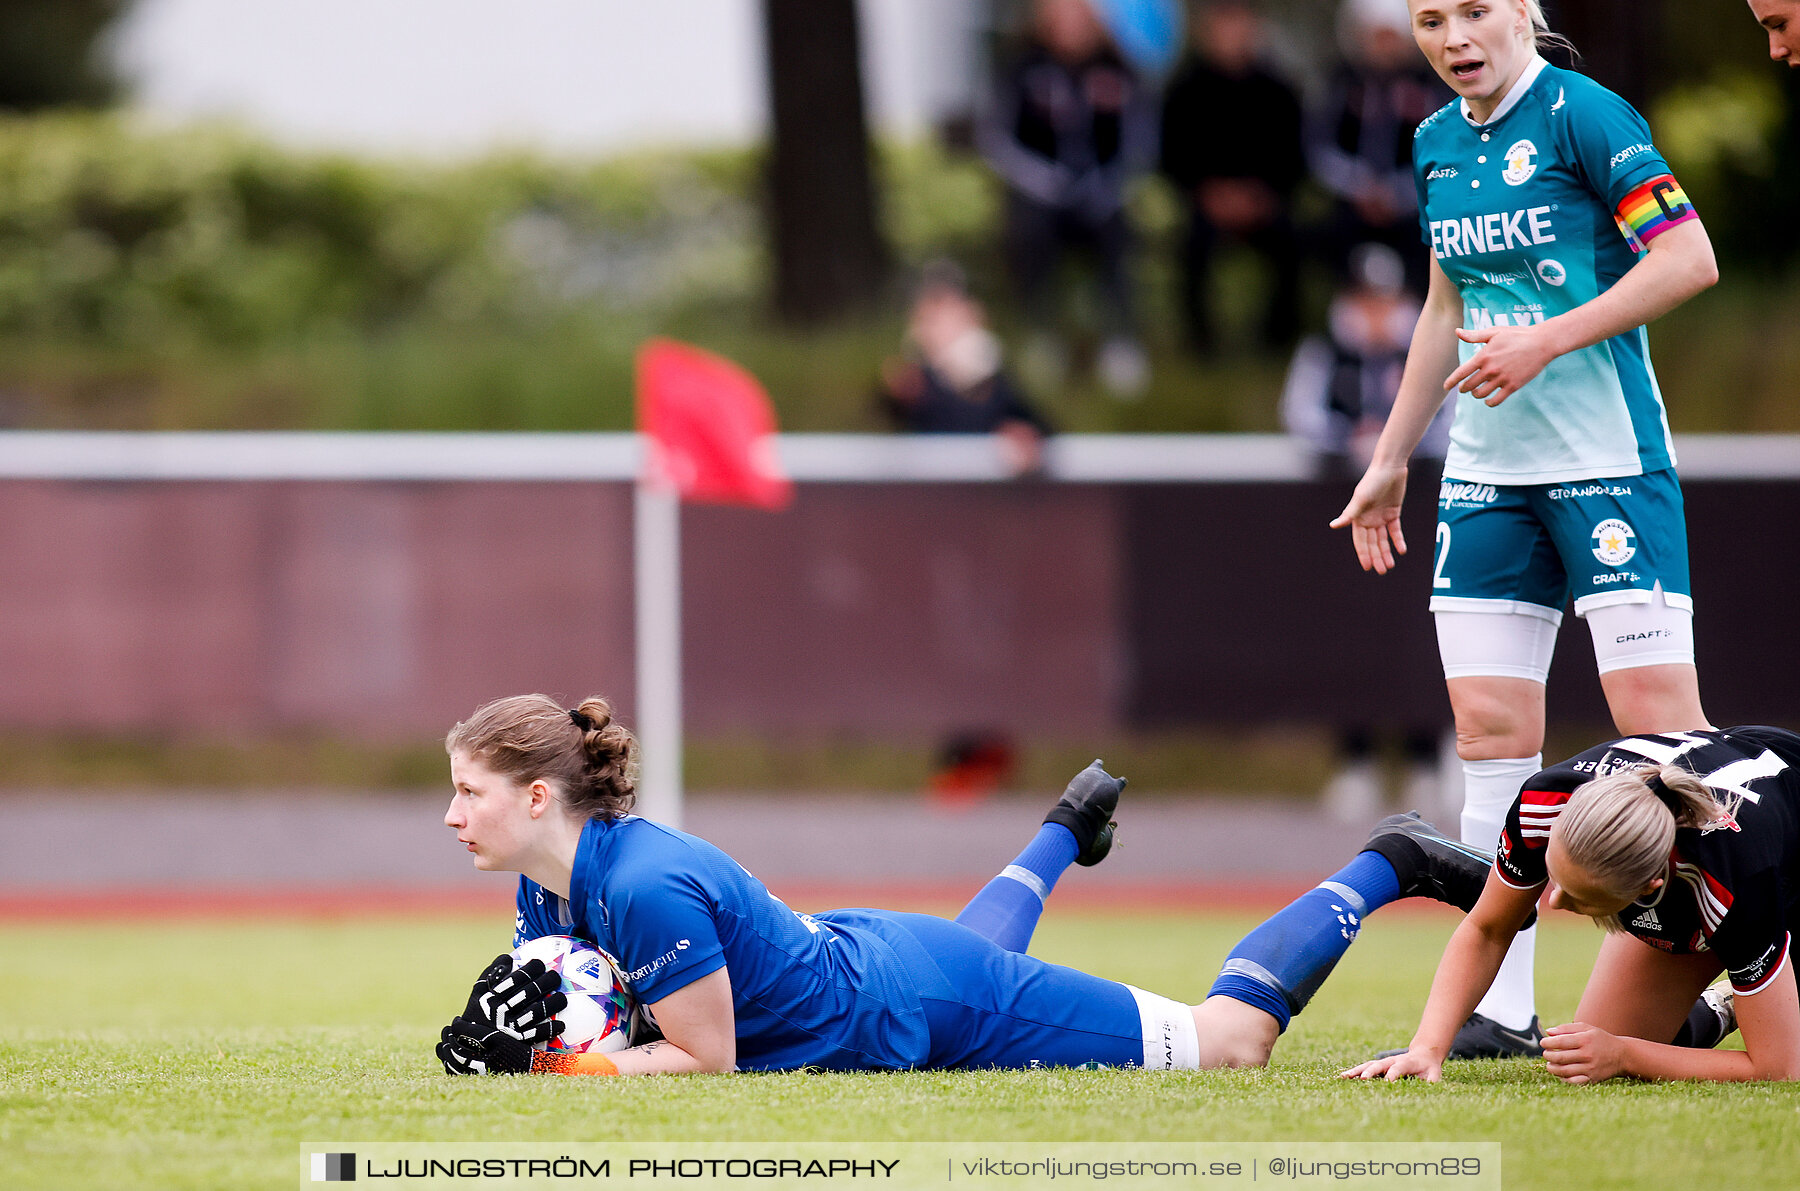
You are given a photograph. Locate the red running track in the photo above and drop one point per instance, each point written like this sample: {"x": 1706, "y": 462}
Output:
{"x": 363, "y": 902}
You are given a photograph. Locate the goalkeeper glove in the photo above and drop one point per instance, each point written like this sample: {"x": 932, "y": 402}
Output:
{"x": 509, "y": 1009}
{"x": 474, "y": 1048}
{"x": 463, "y": 1053}
{"x": 523, "y": 1002}
{"x": 501, "y": 965}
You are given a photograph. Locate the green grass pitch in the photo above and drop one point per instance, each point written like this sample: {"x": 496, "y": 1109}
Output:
{"x": 198, "y": 1055}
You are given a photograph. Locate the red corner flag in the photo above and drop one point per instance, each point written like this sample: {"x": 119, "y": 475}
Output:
{"x": 710, "y": 427}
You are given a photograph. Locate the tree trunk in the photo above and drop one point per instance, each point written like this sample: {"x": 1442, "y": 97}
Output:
{"x": 1619, "y": 42}
{"x": 830, "y": 259}
{"x": 47, "y": 53}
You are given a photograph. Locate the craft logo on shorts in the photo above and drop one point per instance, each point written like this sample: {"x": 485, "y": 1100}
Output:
{"x": 1552, "y": 272}
{"x": 1614, "y": 542}
{"x": 1521, "y": 162}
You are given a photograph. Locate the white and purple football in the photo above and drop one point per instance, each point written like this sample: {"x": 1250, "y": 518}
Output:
{"x": 598, "y": 1016}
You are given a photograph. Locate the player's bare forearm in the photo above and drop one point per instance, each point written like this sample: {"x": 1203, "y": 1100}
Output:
{"x": 1769, "y": 1021}
{"x": 1469, "y": 965}
{"x": 661, "y": 1057}
{"x": 1430, "y": 358}
{"x": 1678, "y": 265}
{"x": 652, "y": 1058}
{"x": 1579, "y": 1053}
{"x": 1373, "y": 514}
{"x": 1658, "y": 1060}
{"x": 699, "y": 1028}
{"x": 1471, "y": 961}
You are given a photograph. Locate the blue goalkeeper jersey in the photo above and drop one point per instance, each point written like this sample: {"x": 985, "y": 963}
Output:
{"x": 668, "y": 908}
{"x": 1532, "y": 214}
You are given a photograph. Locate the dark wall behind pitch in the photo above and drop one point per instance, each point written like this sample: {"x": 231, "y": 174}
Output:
{"x": 1245, "y": 607}
{"x": 388, "y": 610}
{"x": 371, "y": 610}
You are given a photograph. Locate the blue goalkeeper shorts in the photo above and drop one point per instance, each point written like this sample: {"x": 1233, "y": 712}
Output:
{"x": 990, "y": 1007}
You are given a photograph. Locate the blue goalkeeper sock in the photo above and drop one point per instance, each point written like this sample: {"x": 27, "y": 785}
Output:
{"x": 1007, "y": 908}
{"x": 1279, "y": 966}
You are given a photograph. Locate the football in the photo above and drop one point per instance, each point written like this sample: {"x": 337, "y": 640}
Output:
{"x": 598, "y": 1016}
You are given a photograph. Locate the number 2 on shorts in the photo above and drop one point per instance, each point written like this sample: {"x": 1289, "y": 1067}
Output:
{"x": 1443, "y": 556}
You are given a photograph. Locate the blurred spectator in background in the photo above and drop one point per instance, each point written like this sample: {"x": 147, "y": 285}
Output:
{"x": 1341, "y": 384}
{"x": 1066, "y": 127}
{"x": 1339, "y": 390}
{"x": 972, "y": 765}
{"x": 1359, "y": 138}
{"x": 952, "y": 380}
{"x": 1231, "y": 145}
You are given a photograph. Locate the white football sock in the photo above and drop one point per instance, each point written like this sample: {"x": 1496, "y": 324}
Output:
{"x": 1489, "y": 788}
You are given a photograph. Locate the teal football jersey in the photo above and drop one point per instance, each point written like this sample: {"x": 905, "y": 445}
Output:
{"x": 1531, "y": 214}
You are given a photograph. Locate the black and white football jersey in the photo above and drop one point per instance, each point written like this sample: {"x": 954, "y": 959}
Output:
{"x": 1733, "y": 886}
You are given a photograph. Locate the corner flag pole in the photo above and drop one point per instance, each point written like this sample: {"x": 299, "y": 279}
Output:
{"x": 709, "y": 435}
{"x": 656, "y": 547}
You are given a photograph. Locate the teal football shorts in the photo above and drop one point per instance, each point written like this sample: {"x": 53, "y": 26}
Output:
{"x": 1531, "y": 548}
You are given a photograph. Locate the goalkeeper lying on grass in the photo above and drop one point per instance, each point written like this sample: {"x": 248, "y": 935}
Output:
{"x": 734, "y": 980}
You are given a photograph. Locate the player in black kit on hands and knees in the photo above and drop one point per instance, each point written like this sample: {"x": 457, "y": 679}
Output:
{"x": 1685, "y": 846}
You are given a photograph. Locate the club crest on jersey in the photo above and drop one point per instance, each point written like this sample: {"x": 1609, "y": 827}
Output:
{"x": 1552, "y": 273}
{"x": 1614, "y": 542}
{"x": 1521, "y": 162}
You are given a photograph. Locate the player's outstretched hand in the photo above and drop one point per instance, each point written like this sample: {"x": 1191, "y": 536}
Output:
{"x": 524, "y": 1002}
{"x": 1408, "y": 1064}
{"x": 474, "y": 1048}
{"x": 1579, "y": 1053}
{"x": 1373, "y": 516}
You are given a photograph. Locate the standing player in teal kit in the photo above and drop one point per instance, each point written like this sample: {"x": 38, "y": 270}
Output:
{"x": 1557, "y": 231}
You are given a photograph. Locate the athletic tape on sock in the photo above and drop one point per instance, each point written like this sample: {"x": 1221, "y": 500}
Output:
{"x": 1027, "y": 878}
{"x": 1348, "y": 894}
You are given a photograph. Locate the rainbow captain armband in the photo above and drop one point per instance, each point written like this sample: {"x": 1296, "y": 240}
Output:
{"x": 1652, "y": 209}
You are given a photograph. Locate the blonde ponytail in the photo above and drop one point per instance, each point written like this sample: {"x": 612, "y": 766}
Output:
{"x": 1540, "y": 29}
{"x": 1619, "y": 828}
